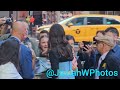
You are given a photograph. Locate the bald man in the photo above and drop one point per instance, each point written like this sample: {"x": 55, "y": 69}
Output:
{"x": 20, "y": 30}
{"x": 24, "y": 55}
{"x": 15, "y": 41}
{"x": 27, "y": 40}
{"x": 9, "y": 54}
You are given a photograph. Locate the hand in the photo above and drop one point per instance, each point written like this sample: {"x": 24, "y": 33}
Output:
{"x": 89, "y": 49}
{"x": 2, "y": 20}
{"x": 45, "y": 52}
{"x": 33, "y": 54}
{"x": 74, "y": 64}
{"x": 33, "y": 58}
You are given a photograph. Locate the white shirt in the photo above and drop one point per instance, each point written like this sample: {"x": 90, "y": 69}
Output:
{"x": 99, "y": 62}
{"x": 9, "y": 71}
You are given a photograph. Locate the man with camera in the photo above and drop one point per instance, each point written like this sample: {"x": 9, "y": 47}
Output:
{"x": 5, "y": 27}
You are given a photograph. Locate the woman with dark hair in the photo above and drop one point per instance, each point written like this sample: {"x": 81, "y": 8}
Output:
{"x": 60, "y": 53}
{"x": 71, "y": 41}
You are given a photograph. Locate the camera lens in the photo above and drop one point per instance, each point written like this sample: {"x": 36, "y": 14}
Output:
{"x": 8, "y": 21}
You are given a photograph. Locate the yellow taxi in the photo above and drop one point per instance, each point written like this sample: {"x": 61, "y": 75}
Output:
{"x": 84, "y": 27}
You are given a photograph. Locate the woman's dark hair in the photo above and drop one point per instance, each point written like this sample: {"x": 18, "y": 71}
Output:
{"x": 58, "y": 42}
{"x": 11, "y": 53}
{"x": 70, "y": 37}
{"x": 57, "y": 36}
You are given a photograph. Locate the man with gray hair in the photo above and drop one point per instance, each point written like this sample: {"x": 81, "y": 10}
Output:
{"x": 26, "y": 70}
{"x": 108, "y": 61}
{"x": 23, "y": 56}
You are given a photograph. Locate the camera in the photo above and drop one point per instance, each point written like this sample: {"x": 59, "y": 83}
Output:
{"x": 8, "y": 21}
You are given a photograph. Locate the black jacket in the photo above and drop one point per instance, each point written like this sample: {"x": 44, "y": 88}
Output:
{"x": 9, "y": 51}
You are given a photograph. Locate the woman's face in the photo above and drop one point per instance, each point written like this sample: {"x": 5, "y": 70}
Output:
{"x": 71, "y": 42}
{"x": 44, "y": 44}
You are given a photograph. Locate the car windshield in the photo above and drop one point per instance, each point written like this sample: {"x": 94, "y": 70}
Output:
{"x": 65, "y": 20}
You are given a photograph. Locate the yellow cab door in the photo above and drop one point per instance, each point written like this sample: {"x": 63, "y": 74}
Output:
{"x": 76, "y": 28}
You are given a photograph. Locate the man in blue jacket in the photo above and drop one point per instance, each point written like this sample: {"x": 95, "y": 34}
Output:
{"x": 26, "y": 70}
{"x": 25, "y": 57}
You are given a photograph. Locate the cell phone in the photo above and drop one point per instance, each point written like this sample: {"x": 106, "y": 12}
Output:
{"x": 86, "y": 43}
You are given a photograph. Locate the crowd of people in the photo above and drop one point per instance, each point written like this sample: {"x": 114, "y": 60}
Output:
{"x": 24, "y": 57}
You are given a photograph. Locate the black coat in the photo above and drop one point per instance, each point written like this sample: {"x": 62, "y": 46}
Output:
{"x": 9, "y": 51}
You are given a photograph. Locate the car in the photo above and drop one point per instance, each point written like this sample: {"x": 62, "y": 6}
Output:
{"x": 84, "y": 27}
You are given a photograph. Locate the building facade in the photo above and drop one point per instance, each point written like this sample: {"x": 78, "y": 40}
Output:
{"x": 15, "y": 14}
{"x": 48, "y": 17}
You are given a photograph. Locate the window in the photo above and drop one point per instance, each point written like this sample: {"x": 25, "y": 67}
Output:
{"x": 77, "y": 21}
{"x": 94, "y": 20}
{"x": 112, "y": 21}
